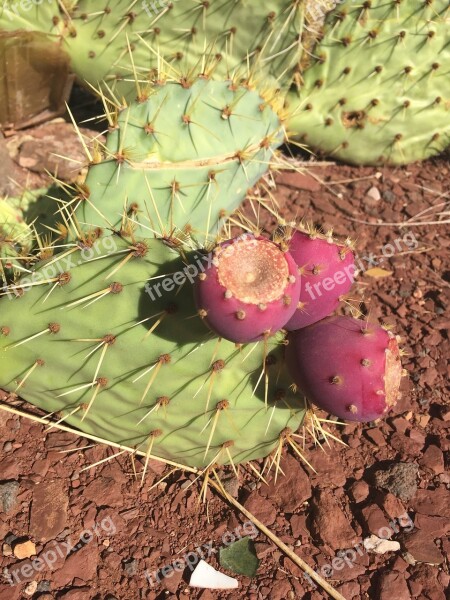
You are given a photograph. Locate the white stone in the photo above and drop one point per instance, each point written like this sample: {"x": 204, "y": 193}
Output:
{"x": 374, "y": 193}
{"x": 380, "y": 546}
{"x": 206, "y": 577}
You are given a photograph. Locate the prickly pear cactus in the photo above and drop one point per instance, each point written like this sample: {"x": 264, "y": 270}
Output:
{"x": 15, "y": 241}
{"x": 184, "y": 157}
{"x": 379, "y": 90}
{"x": 115, "y": 41}
{"x": 150, "y": 375}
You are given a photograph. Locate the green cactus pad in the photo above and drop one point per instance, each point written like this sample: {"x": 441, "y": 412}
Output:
{"x": 217, "y": 37}
{"x": 379, "y": 91}
{"x": 244, "y": 38}
{"x": 186, "y": 156}
{"x": 154, "y": 373}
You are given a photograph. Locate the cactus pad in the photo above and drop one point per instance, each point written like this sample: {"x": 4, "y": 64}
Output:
{"x": 185, "y": 156}
{"x": 379, "y": 90}
{"x": 134, "y": 364}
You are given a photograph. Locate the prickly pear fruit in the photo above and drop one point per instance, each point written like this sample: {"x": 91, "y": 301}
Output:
{"x": 350, "y": 368}
{"x": 250, "y": 289}
{"x": 327, "y": 270}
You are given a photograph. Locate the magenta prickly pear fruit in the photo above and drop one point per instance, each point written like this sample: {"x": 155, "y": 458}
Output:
{"x": 249, "y": 291}
{"x": 350, "y": 368}
{"x": 327, "y": 272}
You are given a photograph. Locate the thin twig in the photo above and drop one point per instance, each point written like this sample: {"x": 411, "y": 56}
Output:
{"x": 276, "y": 540}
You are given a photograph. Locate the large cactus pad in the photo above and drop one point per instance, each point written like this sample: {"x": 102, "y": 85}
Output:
{"x": 379, "y": 90}
{"x": 132, "y": 363}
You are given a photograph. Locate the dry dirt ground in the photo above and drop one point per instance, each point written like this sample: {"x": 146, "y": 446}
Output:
{"x": 391, "y": 479}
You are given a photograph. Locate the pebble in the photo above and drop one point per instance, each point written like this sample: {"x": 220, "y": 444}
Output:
{"x": 8, "y": 496}
{"x": 359, "y": 491}
{"x": 374, "y": 193}
{"x": 30, "y": 588}
{"x": 400, "y": 479}
{"x": 48, "y": 510}
{"x": 24, "y": 549}
{"x": 330, "y": 523}
{"x": 379, "y": 545}
{"x": 432, "y": 502}
{"x": 261, "y": 508}
{"x": 291, "y": 491}
{"x": 392, "y": 584}
{"x": 433, "y": 459}
{"x": 375, "y": 520}
{"x": 422, "y": 548}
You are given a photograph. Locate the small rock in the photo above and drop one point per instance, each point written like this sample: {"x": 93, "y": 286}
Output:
{"x": 82, "y": 564}
{"x": 291, "y": 491}
{"x": 10, "y": 468}
{"x": 301, "y": 181}
{"x": 423, "y": 549}
{"x": 172, "y": 580}
{"x": 7, "y": 447}
{"x": 30, "y": 588}
{"x": 392, "y": 506}
{"x": 392, "y": 584}
{"x": 44, "y": 586}
{"x": 231, "y": 485}
{"x": 432, "y": 502}
{"x": 130, "y": 567}
{"x": 8, "y": 496}
{"x": 48, "y": 510}
{"x": 359, "y": 491}
{"x": 400, "y": 479}
{"x": 434, "y": 526}
{"x": 376, "y": 437}
{"x": 433, "y": 459}
{"x": 104, "y": 491}
{"x": 374, "y": 193}
{"x": 330, "y": 522}
{"x": 6, "y": 550}
{"x": 380, "y": 546}
{"x": 376, "y": 521}
{"x": 261, "y": 508}
{"x": 24, "y": 549}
